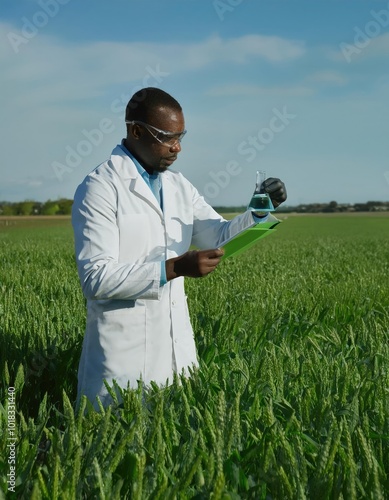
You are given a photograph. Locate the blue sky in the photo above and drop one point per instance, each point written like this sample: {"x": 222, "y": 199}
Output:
{"x": 298, "y": 88}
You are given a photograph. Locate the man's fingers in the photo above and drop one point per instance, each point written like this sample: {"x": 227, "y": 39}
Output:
{"x": 271, "y": 185}
{"x": 275, "y": 188}
{"x": 217, "y": 252}
{"x": 194, "y": 263}
{"x": 209, "y": 259}
{"x": 211, "y": 254}
{"x": 212, "y": 263}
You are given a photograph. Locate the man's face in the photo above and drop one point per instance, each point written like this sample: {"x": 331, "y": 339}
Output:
{"x": 152, "y": 154}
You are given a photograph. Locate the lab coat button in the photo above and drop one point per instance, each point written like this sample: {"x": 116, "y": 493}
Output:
{"x": 173, "y": 303}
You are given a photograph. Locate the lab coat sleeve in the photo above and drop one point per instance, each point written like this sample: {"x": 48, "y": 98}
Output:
{"x": 210, "y": 230}
{"x": 96, "y": 235}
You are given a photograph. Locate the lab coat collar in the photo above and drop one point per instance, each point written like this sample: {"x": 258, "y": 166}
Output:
{"x": 127, "y": 170}
{"x": 123, "y": 164}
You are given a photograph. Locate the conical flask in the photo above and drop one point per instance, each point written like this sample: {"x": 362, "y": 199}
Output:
{"x": 260, "y": 201}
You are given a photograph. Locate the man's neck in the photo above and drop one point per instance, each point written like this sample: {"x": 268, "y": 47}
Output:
{"x": 149, "y": 170}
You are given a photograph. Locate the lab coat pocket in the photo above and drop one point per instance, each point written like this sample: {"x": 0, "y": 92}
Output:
{"x": 123, "y": 341}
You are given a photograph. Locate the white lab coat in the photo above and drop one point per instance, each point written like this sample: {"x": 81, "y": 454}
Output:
{"x": 137, "y": 329}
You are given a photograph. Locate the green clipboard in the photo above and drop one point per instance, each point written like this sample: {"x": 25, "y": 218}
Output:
{"x": 246, "y": 239}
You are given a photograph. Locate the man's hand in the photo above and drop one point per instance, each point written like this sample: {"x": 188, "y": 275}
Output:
{"x": 194, "y": 264}
{"x": 276, "y": 190}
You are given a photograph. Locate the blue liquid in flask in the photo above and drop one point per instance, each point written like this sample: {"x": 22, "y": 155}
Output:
{"x": 260, "y": 202}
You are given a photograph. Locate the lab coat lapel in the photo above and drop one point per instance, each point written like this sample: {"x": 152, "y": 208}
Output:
{"x": 128, "y": 171}
{"x": 139, "y": 187}
{"x": 168, "y": 196}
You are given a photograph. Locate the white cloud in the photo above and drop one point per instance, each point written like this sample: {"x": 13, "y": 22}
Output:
{"x": 328, "y": 77}
{"x": 111, "y": 61}
{"x": 360, "y": 48}
{"x": 52, "y": 91}
{"x": 242, "y": 49}
{"x": 84, "y": 70}
{"x": 380, "y": 45}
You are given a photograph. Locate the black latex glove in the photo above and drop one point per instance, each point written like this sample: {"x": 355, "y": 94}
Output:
{"x": 276, "y": 190}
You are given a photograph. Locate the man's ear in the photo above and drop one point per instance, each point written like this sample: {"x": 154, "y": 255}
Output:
{"x": 134, "y": 131}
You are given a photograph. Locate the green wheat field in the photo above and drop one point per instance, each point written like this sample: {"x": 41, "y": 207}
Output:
{"x": 291, "y": 400}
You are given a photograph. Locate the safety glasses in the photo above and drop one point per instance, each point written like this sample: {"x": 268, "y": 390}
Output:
{"x": 166, "y": 138}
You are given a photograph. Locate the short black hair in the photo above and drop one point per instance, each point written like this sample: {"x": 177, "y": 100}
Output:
{"x": 144, "y": 103}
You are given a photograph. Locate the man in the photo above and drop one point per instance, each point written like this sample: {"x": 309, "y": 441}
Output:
{"x": 134, "y": 221}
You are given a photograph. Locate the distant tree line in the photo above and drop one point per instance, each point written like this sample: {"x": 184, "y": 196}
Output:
{"x": 332, "y": 206}
{"x": 63, "y": 206}
{"x": 30, "y": 207}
